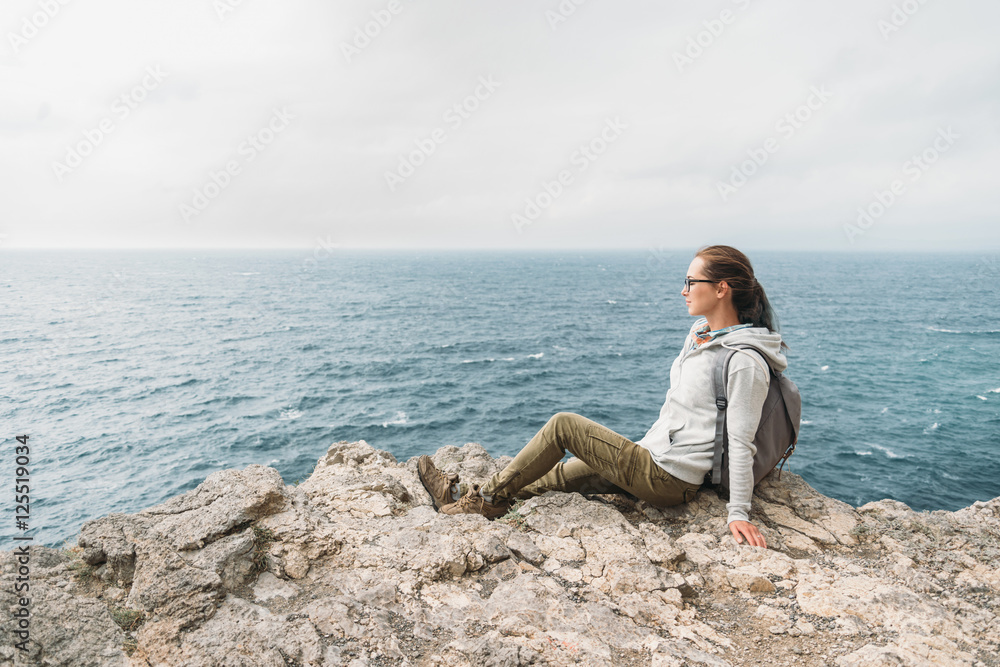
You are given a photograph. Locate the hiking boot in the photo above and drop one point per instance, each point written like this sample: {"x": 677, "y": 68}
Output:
{"x": 473, "y": 503}
{"x": 438, "y": 484}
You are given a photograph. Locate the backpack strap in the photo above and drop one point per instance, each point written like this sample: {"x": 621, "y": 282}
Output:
{"x": 719, "y": 377}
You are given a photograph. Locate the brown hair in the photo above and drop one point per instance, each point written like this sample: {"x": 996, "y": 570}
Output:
{"x": 724, "y": 262}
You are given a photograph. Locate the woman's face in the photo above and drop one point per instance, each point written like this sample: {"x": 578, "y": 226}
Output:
{"x": 702, "y": 298}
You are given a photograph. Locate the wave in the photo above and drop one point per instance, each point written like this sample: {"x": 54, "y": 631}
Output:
{"x": 226, "y": 401}
{"x": 399, "y": 418}
{"x": 536, "y": 356}
{"x": 968, "y": 333}
{"x": 488, "y": 359}
{"x": 888, "y": 452}
{"x": 980, "y": 397}
{"x": 289, "y": 414}
{"x": 245, "y": 273}
{"x": 170, "y": 387}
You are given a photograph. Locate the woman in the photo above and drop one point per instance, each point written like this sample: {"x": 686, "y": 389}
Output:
{"x": 668, "y": 465}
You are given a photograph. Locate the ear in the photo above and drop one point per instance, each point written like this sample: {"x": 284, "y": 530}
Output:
{"x": 722, "y": 290}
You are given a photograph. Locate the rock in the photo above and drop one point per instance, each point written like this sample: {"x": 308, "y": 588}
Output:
{"x": 94, "y": 640}
{"x": 777, "y": 621}
{"x": 269, "y": 587}
{"x": 230, "y": 557}
{"x": 355, "y": 567}
{"x": 802, "y": 628}
{"x": 226, "y": 500}
{"x": 241, "y": 633}
{"x": 524, "y": 548}
{"x": 749, "y": 580}
{"x": 785, "y": 517}
{"x": 910, "y": 650}
{"x": 562, "y": 548}
{"x": 659, "y": 547}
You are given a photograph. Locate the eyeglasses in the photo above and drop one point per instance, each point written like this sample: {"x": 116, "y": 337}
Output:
{"x": 689, "y": 281}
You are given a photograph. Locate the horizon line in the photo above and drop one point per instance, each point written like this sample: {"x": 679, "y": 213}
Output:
{"x": 337, "y": 247}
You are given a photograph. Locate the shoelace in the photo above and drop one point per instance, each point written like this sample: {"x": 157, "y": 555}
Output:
{"x": 471, "y": 497}
{"x": 447, "y": 479}
{"x": 470, "y": 500}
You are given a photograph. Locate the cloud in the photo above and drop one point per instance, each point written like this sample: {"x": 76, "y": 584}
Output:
{"x": 411, "y": 63}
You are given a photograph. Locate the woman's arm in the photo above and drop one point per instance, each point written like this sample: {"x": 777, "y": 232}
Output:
{"x": 747, "y": 389}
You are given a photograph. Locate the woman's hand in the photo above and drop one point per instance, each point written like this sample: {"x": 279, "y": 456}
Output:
{"x": 745, "y": 528}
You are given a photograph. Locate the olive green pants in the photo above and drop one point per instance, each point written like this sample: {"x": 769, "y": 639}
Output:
{"x": 604, "y": 462}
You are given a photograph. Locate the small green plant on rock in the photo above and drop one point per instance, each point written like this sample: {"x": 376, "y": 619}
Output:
{"x": 263, "y": 538}
{"x": 926, "y": 530}
{"x": 127, "y": 619}
{"x": 82, "y": 572}
{"x": 863, "y": 531}
{"x": 513, "y": 516}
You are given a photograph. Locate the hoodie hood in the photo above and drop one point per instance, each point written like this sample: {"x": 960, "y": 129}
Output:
{"x": 768, "y": 343}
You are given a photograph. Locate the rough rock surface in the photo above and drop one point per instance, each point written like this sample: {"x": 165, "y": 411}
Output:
{"x": 355, "y": 567}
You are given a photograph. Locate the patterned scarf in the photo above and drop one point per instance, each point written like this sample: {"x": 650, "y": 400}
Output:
{"x": 703, "y": 335}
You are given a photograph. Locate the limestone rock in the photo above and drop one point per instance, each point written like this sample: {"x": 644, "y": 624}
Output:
{"x": 65, "y": 628}
{"x": 355, "y": 567}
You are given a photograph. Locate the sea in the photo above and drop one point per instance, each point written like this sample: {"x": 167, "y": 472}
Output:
{"x": 137, "y": 373}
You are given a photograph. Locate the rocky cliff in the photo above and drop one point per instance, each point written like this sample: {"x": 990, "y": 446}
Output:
{"x": 354, "y": 567}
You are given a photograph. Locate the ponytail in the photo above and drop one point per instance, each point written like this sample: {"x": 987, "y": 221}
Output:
{"x": 722, "y": 262}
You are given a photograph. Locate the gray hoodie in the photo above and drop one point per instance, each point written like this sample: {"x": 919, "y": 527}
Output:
{"x": 682, "y": 440}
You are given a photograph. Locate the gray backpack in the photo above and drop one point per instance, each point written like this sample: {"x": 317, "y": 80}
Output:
{"x": 777, "y": 432}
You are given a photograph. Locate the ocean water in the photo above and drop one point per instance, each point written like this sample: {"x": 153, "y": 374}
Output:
{"x": 138, "y": 373}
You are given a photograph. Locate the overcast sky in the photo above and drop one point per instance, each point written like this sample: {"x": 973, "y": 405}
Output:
{"x": 514, "y": 124}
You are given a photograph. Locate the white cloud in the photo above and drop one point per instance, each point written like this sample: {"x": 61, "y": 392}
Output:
{"x": 655, "y": 186}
